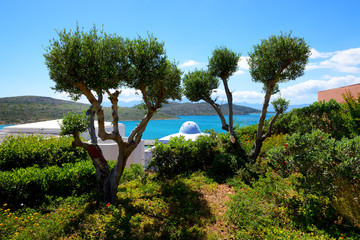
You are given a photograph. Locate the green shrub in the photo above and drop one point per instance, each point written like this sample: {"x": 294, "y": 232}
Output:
{"x": 30, "y": 186}
{"x": 330, "y": 117}
{"x": 330, "y": 168}
{"x": 274, "y": 206}
{"x": 33, "y": 185}
{"x": 214, "y": 154}
{"x": 183, "y": 156}
{"x": 352, "y": 105}
{"x": 136, "y": 171}
{"x": 26, "y": 151}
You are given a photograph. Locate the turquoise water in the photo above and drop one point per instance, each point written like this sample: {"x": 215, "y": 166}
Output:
{"x": 162, "y": 128}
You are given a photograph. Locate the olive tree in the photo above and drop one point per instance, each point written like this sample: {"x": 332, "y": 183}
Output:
{"x": 200, "y": 84}
{"x": 94, "y": 64}
{"x": 275, "y": 60}
{"x": 223, "y": 64}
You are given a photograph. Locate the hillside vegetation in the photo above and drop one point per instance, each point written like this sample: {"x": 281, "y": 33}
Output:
{"x": 189, "y": 109}
{"x": 25, "y": 109}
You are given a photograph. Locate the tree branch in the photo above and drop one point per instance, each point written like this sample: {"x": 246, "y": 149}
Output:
{"x": 224, "y": 124}
{"x": 268, "y": 133}
{"x": 231, "y": 120}
{"x": 115, "y": 115}
{"x": 99, "y": 111}
{"x": 90, "y": 113}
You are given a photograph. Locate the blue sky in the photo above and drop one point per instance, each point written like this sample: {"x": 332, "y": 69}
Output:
{"x": 191, "y": 30}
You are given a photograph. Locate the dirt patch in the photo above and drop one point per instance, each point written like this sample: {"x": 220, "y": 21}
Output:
{"x": 219, "y": 228}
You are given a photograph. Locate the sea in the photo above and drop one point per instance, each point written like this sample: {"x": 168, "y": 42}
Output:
{"x": 160, "y": 128}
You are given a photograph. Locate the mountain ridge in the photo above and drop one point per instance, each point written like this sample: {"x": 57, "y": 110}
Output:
{"x": 189, "y": 109}
{"x": 27, "y": 109}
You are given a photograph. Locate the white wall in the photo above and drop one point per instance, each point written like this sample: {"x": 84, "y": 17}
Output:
{"x": 111, "y": 152}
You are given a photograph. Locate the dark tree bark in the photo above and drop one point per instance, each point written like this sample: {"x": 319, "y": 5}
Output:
{"x": 100, "y": 164}
{"x": 259, "y": 134}
{"x": 90, "y": 113}
{"x": 230, "y": 105}
{"x": 216, "y": 107}
{"x": 108, "y": 181}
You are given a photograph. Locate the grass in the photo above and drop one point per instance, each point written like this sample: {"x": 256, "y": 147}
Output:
{"x": 147, "y": 208}
{"x": 186, "y": 207}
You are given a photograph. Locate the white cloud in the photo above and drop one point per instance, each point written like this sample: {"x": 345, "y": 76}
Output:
{"x": 243, "y": 64}
{"x": 307, "y": 91}
{"x": 239, "y": 96}
{"x": 189, "y": 63}
{"x": 129, "y": 95}
{"x": 126, "y": 95}
{"x": 347, "y": 61}
{"x": 65, "y": 96}
{"x": 316, "y": 54}
{"x": 238, "y": 72}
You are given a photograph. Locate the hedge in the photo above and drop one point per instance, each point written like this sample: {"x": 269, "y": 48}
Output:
{"x": 30, "y": 186}
{"x": 26, "y": 151}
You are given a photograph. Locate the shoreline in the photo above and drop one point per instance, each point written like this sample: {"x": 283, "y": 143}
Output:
{"x": 127, "y": 120}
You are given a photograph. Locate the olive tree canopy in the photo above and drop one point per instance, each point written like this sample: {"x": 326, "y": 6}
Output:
{"x": 275, "y": 60}
{"x": 94, "y": 64}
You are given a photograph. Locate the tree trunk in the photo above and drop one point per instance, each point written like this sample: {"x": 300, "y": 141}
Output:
{"x": 230, "y": 127}
{"x": 225, "y": 126}
{"x": 108, "y": 181}
{"x": 117, "y": 172}
{"x": 259, "y": 134}
{"x": 100, "y": 164}
{"x": 102, "y": 172}
{"x": 91, "y": 114}
{"x": 231, "y": 121}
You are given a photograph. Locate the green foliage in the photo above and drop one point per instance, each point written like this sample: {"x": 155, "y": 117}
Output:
{"x": 93, "y": 58}
{"x": 274, "y": 207}
{"x": 79, "y": 61}
{"x": 25, "y": 151}
{"x": 150, "y": 71}
{"x": 191, "y": 109}
{"x": 173, "y": 209}
{"x": 330, "y": 168}
{"x": 223, "y": 62}
{"x": 329, "y": 117}
{"x": 280, "y": 104}
{"x": 228, "y": 161}
{"x": 312, "y": 155}
{"x": 213, "y": 154}
{"x": 199, "y": 85}
{"x": 31, "y": 186}
{"x": 73, "y": 123}
{"x": 183, "y": 156}
{"x": 352, "y": 105}
{"x": 27, "y": 109}
{"x": 275, "y": 91}
{"x": 278, "y": 59}
{"x": 136, "y": 171}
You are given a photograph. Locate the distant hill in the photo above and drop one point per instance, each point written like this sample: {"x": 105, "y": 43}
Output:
{"x": 25, "y": 109}
{"x": 271, "y": 108}
{"x": 188, "y": 109}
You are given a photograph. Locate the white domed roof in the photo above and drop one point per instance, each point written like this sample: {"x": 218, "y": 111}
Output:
{"x": 190, "y": 127}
